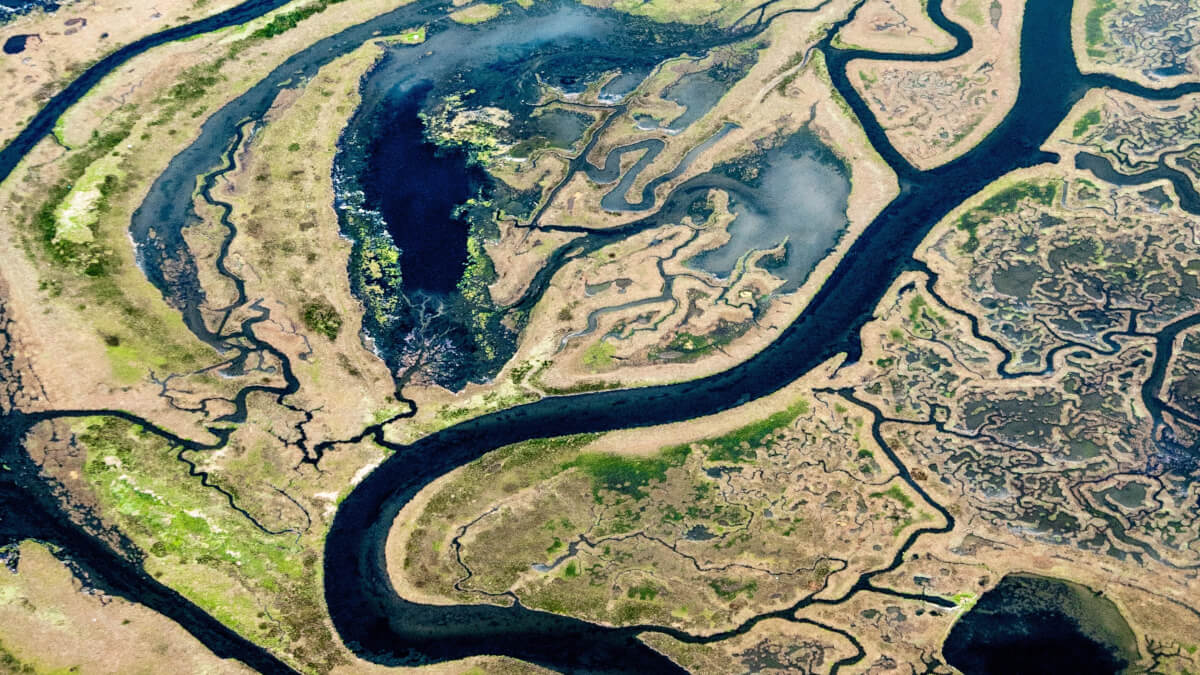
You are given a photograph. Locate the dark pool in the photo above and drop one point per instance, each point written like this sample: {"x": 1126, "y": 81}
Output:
{"x": 1032, "y": 624}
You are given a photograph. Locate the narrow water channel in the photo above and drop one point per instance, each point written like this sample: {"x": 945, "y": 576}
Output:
{"x": 382, "y": 626}
{"x": 370, "y": 617}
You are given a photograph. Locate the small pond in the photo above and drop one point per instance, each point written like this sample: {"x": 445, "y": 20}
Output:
{"x": 1033, "y": 624}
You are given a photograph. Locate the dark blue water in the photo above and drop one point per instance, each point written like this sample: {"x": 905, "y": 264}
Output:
{"x": 418, "y": 193}
{"x": 378, "y": 624}
{"x": 1034, "y": 625}
{"x": 617, "y": 199}
{"x": 561, "y": 128}
{"x": 697, "y": 93}
{"x": 418, "y": 206}
{"x": 622, "y": 85}
{"x": 15, "y": 44}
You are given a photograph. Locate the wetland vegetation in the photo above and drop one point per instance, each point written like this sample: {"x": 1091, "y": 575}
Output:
{"x": 369, "y": 383}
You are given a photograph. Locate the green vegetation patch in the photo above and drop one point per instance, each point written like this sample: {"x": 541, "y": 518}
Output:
{"x": 10, "y": 663}
{"x": 686, "y": 347}
{"x": 971, "y": 10}
{"x": 1005, "y": 201}
{"x": 200, "y": 546}
{"x": 1093, "y": 25}
{"x": 286, "y": 21}
{"x": 965, "y": 601}
{"x": 524, "y": 463}
{"x": 919, "y": 309}
{"x": 739, "y": 445}
{"x": 194, "y": 83}
{"x": 663, "y": 11}
{"x": 897, "y": 493}
{"x": 645, "y": 592}
{"x": 730, "y": 589}
{"x": 67, "y": 219}
{"x": 794, "y": 60}
{"x": 321, "y": 317}
{"x": 599, "y": 355}
{"x": 412, "y": 36}
{"x": 627, "y": 475}
{"x": 1087, "y": 121}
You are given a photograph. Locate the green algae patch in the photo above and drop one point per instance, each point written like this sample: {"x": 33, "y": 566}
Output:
{"x": 478, "y": 275}
{"x": 476, "y": 13}
{"x": 477, "y": 131}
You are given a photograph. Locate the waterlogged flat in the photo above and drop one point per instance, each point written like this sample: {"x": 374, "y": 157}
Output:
{"x": 714, "y": 337}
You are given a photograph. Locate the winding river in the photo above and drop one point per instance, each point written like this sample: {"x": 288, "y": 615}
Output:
{"x": 370, "y": 617}
{"x": 379, "y": 625}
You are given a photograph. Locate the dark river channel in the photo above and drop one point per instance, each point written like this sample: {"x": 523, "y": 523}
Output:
{"x": 369, "y": 616}
{"x": 384, "y": 627}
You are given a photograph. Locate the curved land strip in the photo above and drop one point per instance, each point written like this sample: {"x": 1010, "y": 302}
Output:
{"x": 937, "y": 109}
{"x": 893, "y": 26}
